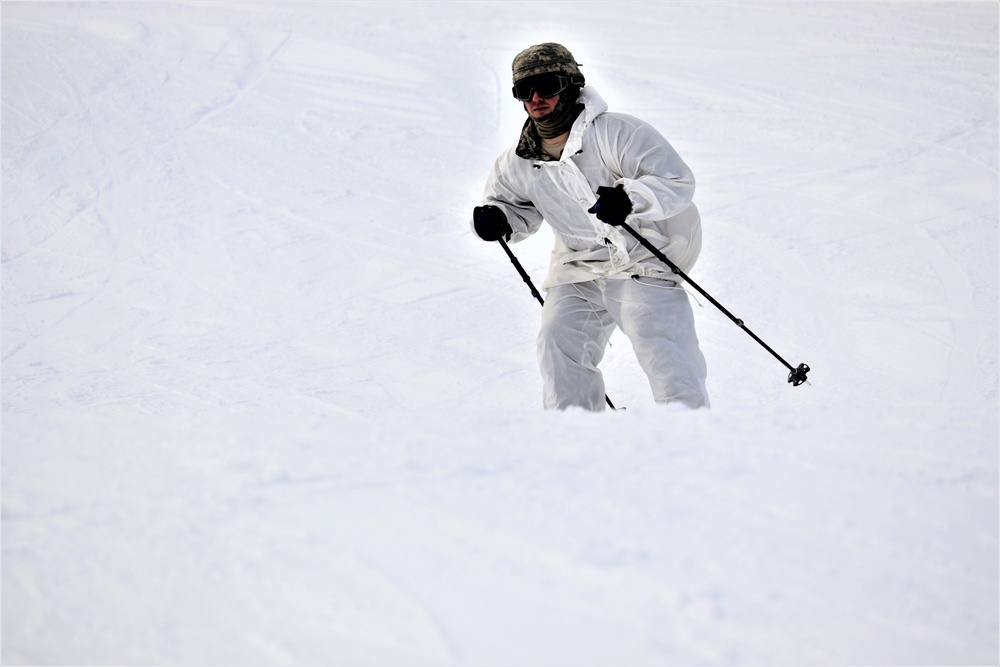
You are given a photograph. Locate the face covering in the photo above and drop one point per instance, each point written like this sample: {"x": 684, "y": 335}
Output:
{"x": 561, "y": 119}
{"x": 529, "y": 145}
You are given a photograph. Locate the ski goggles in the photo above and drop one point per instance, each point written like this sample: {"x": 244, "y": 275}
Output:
{"x": 546, "y": 85}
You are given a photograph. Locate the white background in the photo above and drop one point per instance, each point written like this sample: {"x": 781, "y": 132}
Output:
{"x": 267, "y": 399}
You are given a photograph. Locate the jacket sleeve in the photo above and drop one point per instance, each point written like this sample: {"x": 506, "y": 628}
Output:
{"x": 523, "y": 217}
{"x": 658, "y": 182}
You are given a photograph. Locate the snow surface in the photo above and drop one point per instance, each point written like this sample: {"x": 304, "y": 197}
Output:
{"x": 267, "y": 400}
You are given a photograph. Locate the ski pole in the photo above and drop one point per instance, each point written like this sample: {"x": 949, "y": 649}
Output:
{"x": 796, "y": 376}
{"x": 521, "y": 271}
{"x": 534, "y": 292}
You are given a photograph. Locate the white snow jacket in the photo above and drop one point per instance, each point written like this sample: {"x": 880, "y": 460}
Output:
{"x": 603, "y": 149}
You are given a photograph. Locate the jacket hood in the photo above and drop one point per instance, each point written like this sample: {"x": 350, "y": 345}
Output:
{"x": 594, "y": 104}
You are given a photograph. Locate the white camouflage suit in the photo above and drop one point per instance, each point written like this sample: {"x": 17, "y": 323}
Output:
{"x": 600, "y": 277}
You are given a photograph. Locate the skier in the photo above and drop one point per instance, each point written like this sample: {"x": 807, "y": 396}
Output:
{"x": 586, "y": 170}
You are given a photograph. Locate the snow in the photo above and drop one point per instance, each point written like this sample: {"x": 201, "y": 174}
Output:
{"x": 266, "y": 399}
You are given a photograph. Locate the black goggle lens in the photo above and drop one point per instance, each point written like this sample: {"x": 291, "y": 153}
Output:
{"x": 546, "y": 85}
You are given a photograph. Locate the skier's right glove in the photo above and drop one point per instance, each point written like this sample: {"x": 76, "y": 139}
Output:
{"x": 613, "y": 205}
{"x": 490, "y": 223}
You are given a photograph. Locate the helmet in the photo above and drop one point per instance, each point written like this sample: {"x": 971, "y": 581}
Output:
{"x": 546, "y": 58}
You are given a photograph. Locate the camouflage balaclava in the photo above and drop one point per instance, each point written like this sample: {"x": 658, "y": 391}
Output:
{"x": 542, "y": 59}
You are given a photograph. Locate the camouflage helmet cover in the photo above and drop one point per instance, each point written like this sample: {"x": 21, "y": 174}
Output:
{"x": 544, "y": 58}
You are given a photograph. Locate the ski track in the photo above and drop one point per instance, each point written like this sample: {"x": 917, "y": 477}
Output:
{"x": 266, "y": 399}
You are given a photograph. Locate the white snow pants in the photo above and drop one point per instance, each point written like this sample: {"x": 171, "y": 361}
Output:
{"x": 579, "y": 318}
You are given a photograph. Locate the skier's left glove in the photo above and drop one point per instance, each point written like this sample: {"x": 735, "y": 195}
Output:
{"x": 613, "y": 205}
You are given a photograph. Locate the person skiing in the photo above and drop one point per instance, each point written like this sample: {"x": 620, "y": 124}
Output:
{"x": 585, "y": 171}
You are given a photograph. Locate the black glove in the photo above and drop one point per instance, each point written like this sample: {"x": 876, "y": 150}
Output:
{"x": 613, "y": 205}
{"x": 490, "y": 223}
